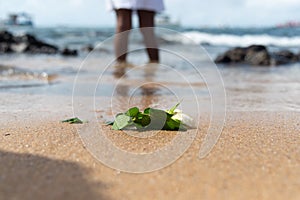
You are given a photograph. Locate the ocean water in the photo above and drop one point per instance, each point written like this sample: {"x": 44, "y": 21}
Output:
{"x": 226, "y": 37}
{"x": 186, "y": 72}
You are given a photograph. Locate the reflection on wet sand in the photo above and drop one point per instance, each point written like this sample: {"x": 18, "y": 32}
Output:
{"x": 146, "y": 90}
{"x": 119, "y": 72}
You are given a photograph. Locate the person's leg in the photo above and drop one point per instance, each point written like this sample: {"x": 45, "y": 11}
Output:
{"x": 121, "y": 40}
{"x": 146, "y": 19}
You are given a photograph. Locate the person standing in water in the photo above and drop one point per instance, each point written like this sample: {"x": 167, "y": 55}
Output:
{"x": 146, "y": 10}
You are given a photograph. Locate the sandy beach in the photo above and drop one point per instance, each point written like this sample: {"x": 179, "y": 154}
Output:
{"x": 256, "y": 157}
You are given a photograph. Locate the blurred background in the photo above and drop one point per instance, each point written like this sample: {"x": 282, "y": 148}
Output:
{"x": 74, "y": 27}
{"x": 192, "y": 13}
{"x": 216, "y": 22}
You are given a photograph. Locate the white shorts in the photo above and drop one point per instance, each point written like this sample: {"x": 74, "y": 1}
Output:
{"x": 151, "y": 5}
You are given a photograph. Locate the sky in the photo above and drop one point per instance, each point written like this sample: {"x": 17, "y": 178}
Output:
{"x": 193, "y": 13}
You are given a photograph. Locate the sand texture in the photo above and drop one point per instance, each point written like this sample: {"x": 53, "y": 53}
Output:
{"x": 256, "y": 157}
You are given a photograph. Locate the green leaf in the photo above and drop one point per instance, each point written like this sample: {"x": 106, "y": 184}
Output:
{"x": 115, "y": 127}
{"x": 109, "y": 123}
{"x": 132, "y": 112}
{"x": 171, "y": 111}
{"x": 74, "y": 120}
{"x": 158, "y": 119}
{"x": 172, "y": 124}
{"x": 121, "y": 122}
{"x": 147, "y": 111}
{"x": 138, "y": 126}
{"x": 142, "y": 120}
{"x": 140, "y": 116}
{"x": 149, "y": 119}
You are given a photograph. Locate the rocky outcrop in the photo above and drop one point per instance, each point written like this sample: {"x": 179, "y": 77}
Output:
{"x": 6, "y": 39}
{"x": 88, "y": 48}
{"x": 34, "y": 46}
{"x": 252, "y": 55}
{"x": 69, "y": 52}
{"x": 284, "y": 57}
{"x": 256, "y": 55}
{"x": 24, "y": 44}
{"x": 28, "y": 43}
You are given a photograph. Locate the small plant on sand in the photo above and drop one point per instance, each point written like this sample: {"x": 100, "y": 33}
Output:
{"x": 153, "y": 119}
{"x": 74, "y": 120}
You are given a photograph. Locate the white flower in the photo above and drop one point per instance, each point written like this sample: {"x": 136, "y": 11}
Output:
{"x": 185, "y": 119}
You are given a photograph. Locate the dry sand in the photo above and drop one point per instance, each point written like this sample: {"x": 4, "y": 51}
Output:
{"x": 257, "y": 157}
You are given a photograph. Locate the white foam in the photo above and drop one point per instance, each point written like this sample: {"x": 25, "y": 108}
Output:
{"x": 235, "y": 40}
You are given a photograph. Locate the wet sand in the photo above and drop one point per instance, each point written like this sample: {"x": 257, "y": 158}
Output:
{"x": 256, "y": 157}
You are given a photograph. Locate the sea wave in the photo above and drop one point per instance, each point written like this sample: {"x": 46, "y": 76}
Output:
{"x": 234, "y": 40}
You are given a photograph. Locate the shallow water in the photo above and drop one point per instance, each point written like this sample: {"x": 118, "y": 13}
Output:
{"x": 182, "y": 75}
{"x": 275, "y": 88}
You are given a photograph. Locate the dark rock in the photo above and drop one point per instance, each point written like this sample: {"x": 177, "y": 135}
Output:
{"x": 24, "y": 44}
{"x": 252, "y": 55}
{"x": 69, "y": 52}
{"x": 26, "y": 38}
{"x": 257, "y": 55}
{"x": 284, "y": 57}
{"x": 224, "y": 58}
{"x": 256, "y": 48}
{"x": 235, "y": 55}
{"x": 6, "y": 37}
{"x": 5, "y": 48}
{"x": 41, "y": 47}
{"x": 88, "y": 48}
{"x": 34, "y": 45}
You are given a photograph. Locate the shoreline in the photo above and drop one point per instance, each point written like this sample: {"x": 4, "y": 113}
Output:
{"x": 256, "y": 157}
